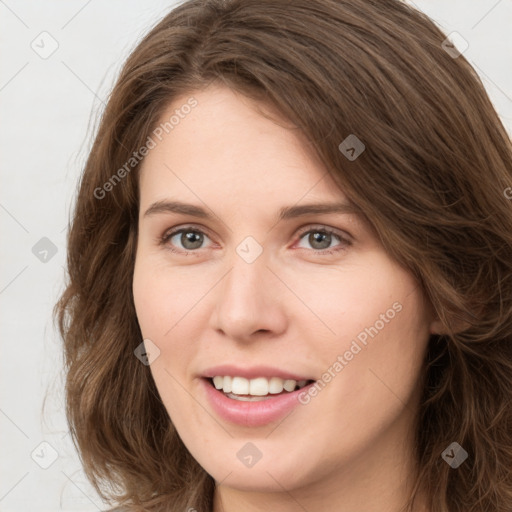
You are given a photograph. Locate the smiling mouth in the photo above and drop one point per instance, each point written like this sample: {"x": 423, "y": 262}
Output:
{"x": 255, "y": 390}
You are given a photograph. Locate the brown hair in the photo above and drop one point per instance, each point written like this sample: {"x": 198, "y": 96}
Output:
{"x": 431, "y": 181}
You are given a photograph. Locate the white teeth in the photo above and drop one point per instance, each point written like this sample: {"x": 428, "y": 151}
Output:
{"x": 226, "y": 385}
{"x": 289, "y": 385}
{"x": 240, "y": 386}
{"x": 260, "y": 386}
{"x": 275, "y": 385}
{"x": 257, "y": 387}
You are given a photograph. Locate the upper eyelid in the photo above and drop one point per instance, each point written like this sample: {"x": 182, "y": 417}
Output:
{"x": 322, "y": 227}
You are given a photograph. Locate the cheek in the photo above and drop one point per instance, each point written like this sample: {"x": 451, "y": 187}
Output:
{"x": 163, "y": 303}
{"x": 164, "y": 296}
{"x": 382, "y": 348}
{"x": 373, "y": 298}
{"x": 370, "y": 367}
{"x": 169, "y": 307}
{"x": 377, "y": 336}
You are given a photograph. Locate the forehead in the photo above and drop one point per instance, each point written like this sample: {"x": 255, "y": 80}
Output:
{"x": 226, "y": 150}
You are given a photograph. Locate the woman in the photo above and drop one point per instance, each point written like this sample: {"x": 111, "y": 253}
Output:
{"x": 290, "y": 268}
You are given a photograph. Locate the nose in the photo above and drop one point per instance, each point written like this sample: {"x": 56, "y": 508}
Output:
{"x": 250, "y": 302}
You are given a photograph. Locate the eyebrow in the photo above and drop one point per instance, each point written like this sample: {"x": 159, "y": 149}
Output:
{"x": 288, "y": 212}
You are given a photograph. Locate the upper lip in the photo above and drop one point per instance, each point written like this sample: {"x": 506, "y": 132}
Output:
{"x": 252, "y": 372}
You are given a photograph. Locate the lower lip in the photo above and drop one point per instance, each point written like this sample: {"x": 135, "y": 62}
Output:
{"x": 252, "y": 414}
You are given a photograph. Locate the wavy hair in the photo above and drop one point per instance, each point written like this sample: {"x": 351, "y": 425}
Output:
{"x": 432, "y": 181}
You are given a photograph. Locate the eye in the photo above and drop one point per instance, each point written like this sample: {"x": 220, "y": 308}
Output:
{"x": 190, "y": 239}
{"x": 320, "y": 239}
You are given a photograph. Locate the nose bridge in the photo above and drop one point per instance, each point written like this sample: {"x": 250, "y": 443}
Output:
{"x": 243, "y": 285}
{"x": 245, "y": 302}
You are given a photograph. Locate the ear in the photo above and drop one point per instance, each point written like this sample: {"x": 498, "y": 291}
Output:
{"x": 457, "y": 325}
{"x": 436, "y": 327}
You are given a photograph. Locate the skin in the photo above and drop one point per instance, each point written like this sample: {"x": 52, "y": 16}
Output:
{"x": 349, "y": 448}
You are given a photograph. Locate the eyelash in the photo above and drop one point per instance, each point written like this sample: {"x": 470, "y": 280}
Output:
{"x": 324, "y": 230}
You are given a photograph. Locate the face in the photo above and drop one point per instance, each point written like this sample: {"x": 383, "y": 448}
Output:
{"x": 232, "y": 287}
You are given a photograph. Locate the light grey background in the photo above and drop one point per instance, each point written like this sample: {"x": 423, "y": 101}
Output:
{"x": 49, "y": 109}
